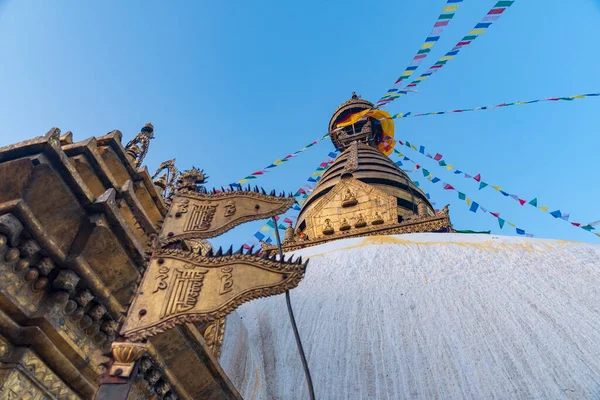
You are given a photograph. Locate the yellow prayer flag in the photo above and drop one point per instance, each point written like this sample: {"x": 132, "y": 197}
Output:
{"x": 511, "y": 224}
{"x": 430, "y": 177}
{"x": 407, "y": 73}
{"x": 428, "y": 45}
{"x": 498, "y": 188}
{"x": 476, "y": 32}
{"x": 449, "y": 167}
{"x": 469, "y": 202}
{"x": 520, "y": 102}
{"x": 265, "y": 228}
{"x": 354, "y": 118}
{"x": 242, "y": 181}
{"x": 446, "y": 58}
{"x": 421, "y": 78}
{"x": 544, "y": 208}
{"x": 412, "y": 146}
{"x": 277, "y": 162}
{"x": 597, "y": 234}
{"x": 449, "y": 9}
{"x": 579, "y": 96}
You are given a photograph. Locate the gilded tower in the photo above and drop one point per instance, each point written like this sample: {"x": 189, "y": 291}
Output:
{"x": 363, "y": 192}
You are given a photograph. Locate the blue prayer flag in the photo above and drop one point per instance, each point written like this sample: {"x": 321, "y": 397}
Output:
{"x": 556, "y": 214}
{"x": 474, "y": 207}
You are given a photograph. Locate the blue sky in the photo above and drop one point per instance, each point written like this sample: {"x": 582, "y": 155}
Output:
{"x": 231, "y": 86}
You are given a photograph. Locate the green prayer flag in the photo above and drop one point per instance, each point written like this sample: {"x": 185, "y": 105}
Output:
{"x": 501, "y": 223}
{"x": 461, "y": 196}
{"x": 425, "y": 172}
{"x": 505, "y": 3}
{"x": 270, "y": 223}
{"x": 533, "y": 202}
{"x": 281, "y": 226}
{"x": 470, "y": 231}
{"x": 443, "y": 163}
{"x": 482, "y": 185}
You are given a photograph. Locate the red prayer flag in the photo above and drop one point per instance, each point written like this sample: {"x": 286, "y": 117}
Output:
{"x": 441, "y": 23}
{"x": 417, "y": 166}
{"x": 522, "y": 201}
{"x": 257, "y": 173}
{"x": 477, "y": 178}
{"x": 496, "y": 11}
{"x": 437, "y": 157}
{"x": 463, "y": 43}
{"x": 497, "y": 215}
{"x": 447, "y": 186}
{"x": 577, "y": 224}
{"x": 289, "y": 221}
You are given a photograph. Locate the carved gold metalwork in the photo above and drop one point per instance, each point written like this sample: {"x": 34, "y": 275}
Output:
{"x": 191, "y": 179}
{"x": 360, "y": 221}
{"x": 369, "y": 200}
{"x": 327, "y": 227}
{"x": 439, "y": 222}
{"x": 349, "y": 199}
{"x": 200, "y": 215}
{"x": 142, "y": 139}
{"x": 352, "y": 160}
{"x": 377, "y": 219}
{"x": 203, "y": 288}
{"x": 125, "y": 355}
{"x": 213, "y": 333}
{"x": 344, "y": 225}
{"x": 168, "y": 179}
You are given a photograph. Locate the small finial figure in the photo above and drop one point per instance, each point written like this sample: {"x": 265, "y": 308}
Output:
{"x": 143, "y": 138}
{"x": 327, "y": 227}
{"x": 344, "y": 225}
{"x": 161, "y": 182}
{"x": 377, "y": 219}
{"x": 360, "y": 221}
{"x": 289, "y": 234}
{"x": 349, "y": 199}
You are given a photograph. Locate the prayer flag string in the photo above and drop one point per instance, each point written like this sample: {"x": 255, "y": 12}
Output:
{"x": 265, "y": 232}
{"x": 442, "y": 21}
{"x": 277, "y": 162}
{"x": 473, "y": 205}
{"x": 492, "y": 16}
{"x": 501, "y": 105}
{"x": 482, "y": 184}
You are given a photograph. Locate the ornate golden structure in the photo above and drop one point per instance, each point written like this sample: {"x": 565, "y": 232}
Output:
{"x": 77, "y": 222}
{"x": 176, "y": 281}
{"x": 363, "y": 192}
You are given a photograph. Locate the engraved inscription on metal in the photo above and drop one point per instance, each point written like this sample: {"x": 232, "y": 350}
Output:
{"x": 201, "y": 215}
{"x": 180, "y": 287}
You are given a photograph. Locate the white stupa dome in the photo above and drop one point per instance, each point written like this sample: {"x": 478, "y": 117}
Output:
{"x": 425, "y": 316}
